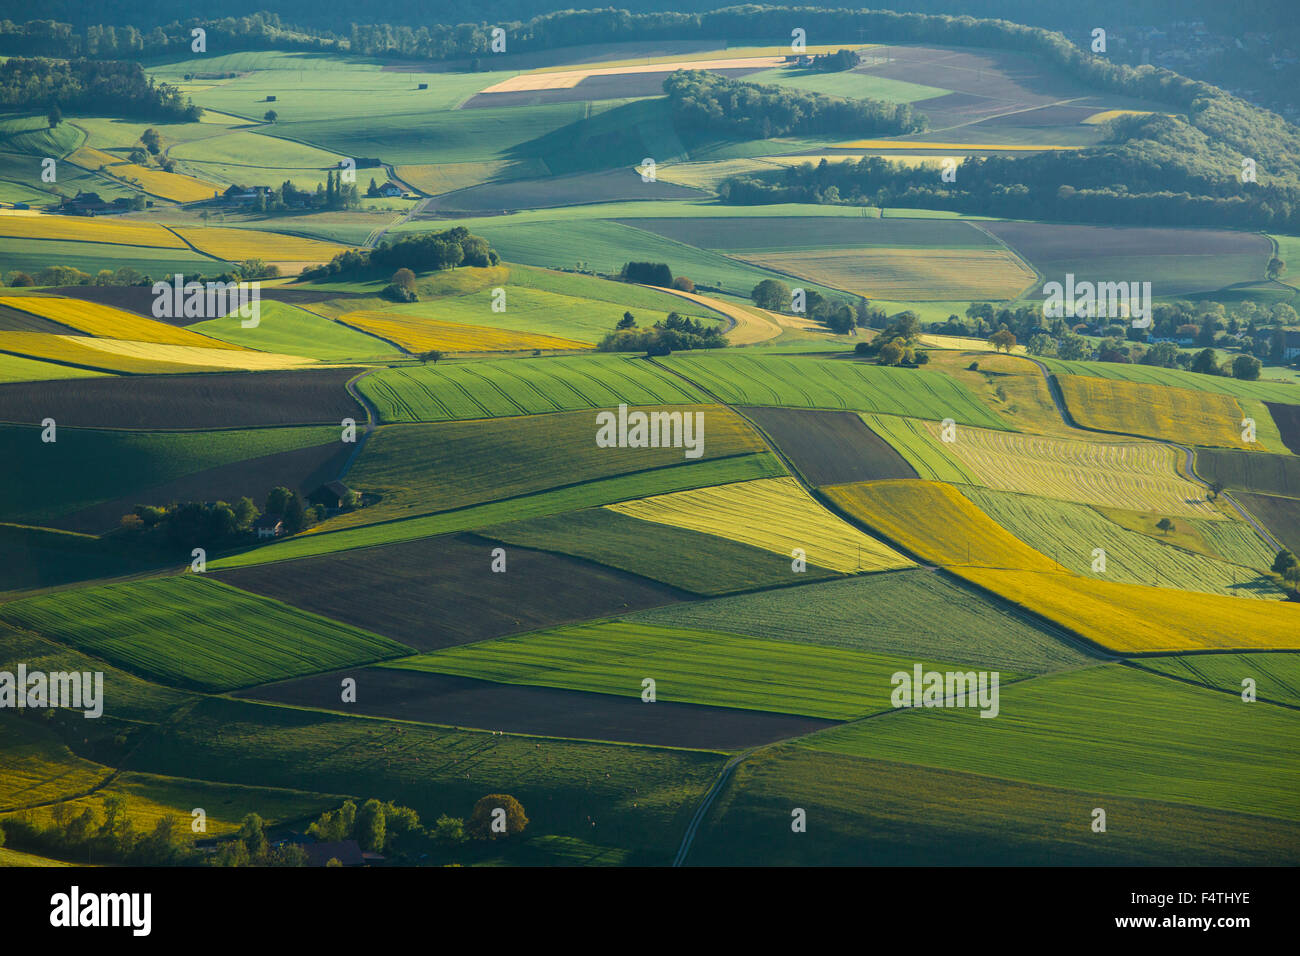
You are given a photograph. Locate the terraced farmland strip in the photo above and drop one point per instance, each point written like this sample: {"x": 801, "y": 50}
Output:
{"x": 495, "y": 388}
{"x": 196, "y": 632}
{"x": 419, "y": 469}
{"x": 921, "y": 447}
{"x": 419, "y": 334}
{"x": 689, "y": 560}
{"x": 790, "y": 520}
{"x": 1156, "y": 411}
{"x": 700, "y": 667}
{"x": 1140, "y": 476}
{"x": 913, "y": 612}
{"x": 575, "y": 498}
{"x": 81, "y": 229}
{"x": 834, "y": 384}
{"x": 1103, "y": 730}
{"x": 107, "y": 322}
{"x": 1071, "y": 534}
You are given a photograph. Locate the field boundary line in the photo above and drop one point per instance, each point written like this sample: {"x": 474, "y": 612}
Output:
{"x": 1137, "y": 665}
{"x": 1038, "y": 276}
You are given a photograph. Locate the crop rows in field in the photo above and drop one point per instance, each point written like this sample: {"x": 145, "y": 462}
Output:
{"x": 239, "y": 245}
{"x": 77, "y": 350}
{"x": 1137, "y": 475}
{"x": 496, "y": 388}
{"x": 288, "y": 330}
{"x": 1276, "y": 676}
{"x": 419, "y": 334}
{"x": 156, "y": 182}
{"x": 774, "y": 514}
{"x": 1156, "y": 411}
{"x": 700, "y": 667}
{"x": 914, "y": 440}
{"x": 830, "y": 448}
{"x": 573, "y": 498}
{"x": 95, "y": 319}
{"x": 418, "y": 469}
{"x": 195, "y": 632}
{"x": 834, "y": 384}
{"x": 1268, "y": 474}
{"x": 1279, "y": 515}
{"x": 1070, "y": 533}
{"x": 1084, "y": 730}
{"x": 1177, "y": 378}
{"x": 189, "y": 356}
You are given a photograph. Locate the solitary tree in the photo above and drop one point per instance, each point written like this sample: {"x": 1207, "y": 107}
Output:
{"x": 1275, "y": 268}
{"x": 485, "y": 823}
{"x": 1165, "y": 525}
{"x": 271, "y": 116}
{"x": 1003, "y": 340}
{"x": 55, "y": 116}
{"x": 431, "y": 356}
{"x": 627, "y": 322}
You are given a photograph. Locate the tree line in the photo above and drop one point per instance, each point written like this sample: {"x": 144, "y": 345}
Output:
{"x": 99, "y": 85}
{"x": 419, "y": 252}
{"x": 720, "y": 104}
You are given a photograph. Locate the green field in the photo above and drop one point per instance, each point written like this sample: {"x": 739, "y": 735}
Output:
{"x": 1154, "y": 375}
{"x": 86, "y": 466}
{"x": 1276, "y": 676}
{"x": 849, "y": 84}
{"x": 500, "y": 387}
{"x": 1251, "y": 471}
{"x": 39, "y": 766}
{"x": 1069, "y": 533}
{"x": 686, "y": 559}
{"x": 880, "y": 813}
{"x": 639, "y": 798}
{"x": 418, "y": 469}
{"x": 737, "y": 235}
{"x": 688, "y": 666}
{"x": 574, "y": 498}
{"x": 911, "y": 439}
{"x": 292, "y": 331}
{"x": 1109, "y": 729}
{"x": 836, "y": 384}
{"x": 904, "y": 613}
{"x": 32, "y": 255}
{"x": 197, "y": 633}
{"x": 15, "y": 368}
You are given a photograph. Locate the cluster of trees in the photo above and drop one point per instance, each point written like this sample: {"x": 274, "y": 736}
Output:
{"x": 897, "y": 344}
{"x": 211, "y": 524}
{"x": 720, "y": 104}
{"x": 1287, "y": 568}
{"x": 103, "y": 86}
{"x": 676, "y": 333}
{"x": 126, "y": 276}
{"x": 836, "y": 314}
{"x": 647, "y": 273}
{"x": 419, "y": 252}
{"x": 836, "y": 62}
{"x": 103, "y": 835}
{"x": 109, "y": 40}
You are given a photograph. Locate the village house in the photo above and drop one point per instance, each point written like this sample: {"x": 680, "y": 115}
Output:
{"x": 268, "y": 526}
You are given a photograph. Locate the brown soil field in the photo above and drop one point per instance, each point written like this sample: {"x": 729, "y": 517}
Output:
{"x": 1012, "y": 78}
{"x": 438, "y": 592}
{"x": 544, "y": 711}
{"x": 831, "y": 448}
{"x": 16, "y": 320}
{"x": 1279, "y": 515}
{"x": 1046, "y": 116}
{"x": 304, "y": 469}
{"x": 222, "y": 400}
{"x": 614, "y": 185}
{"x": 1046, "y": 241}
{"x": 1288, "y": 423}
{"x": 1251, "y": 470}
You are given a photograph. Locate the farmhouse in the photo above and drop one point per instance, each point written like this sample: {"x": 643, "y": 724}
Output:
{"x": 268, "y": 526}
{"x": 390, "y": 189}
{"x": 1291, "y": 349}
{"x": 347, "y": 852}
{"x": 334, "y": 495}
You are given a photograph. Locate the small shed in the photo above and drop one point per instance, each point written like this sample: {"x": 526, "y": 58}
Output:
{"x": 333, "y": 495}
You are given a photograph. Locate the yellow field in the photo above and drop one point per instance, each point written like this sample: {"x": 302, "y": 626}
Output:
{"x": 89, "y": 229}
{"x": 746, "y": 53}
{"x": 1131, "y": 618}
{"x": 75, "y": 350}
{"x": 238, "y": 245}
{"x": 229, "y": 357}
{"x": 752, "y": 324}
{"x": 156, "y": 182}
{"x": 102, "y": 320}
{"x": 937, "y": 523}
{"x": 1139, "y": 476}
{"x": 39, "y": 767}
{"x": 708, "y": 174}
{"x": 418, "y": 334}
{"x": 1106, "y": 115}
{"x": 1184, "y": 415}
{"x": 907, "y": 274}
{"x": 961, "y": 342}
{"x": 957, "y": 147}
{"x": 774, "y": 514}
